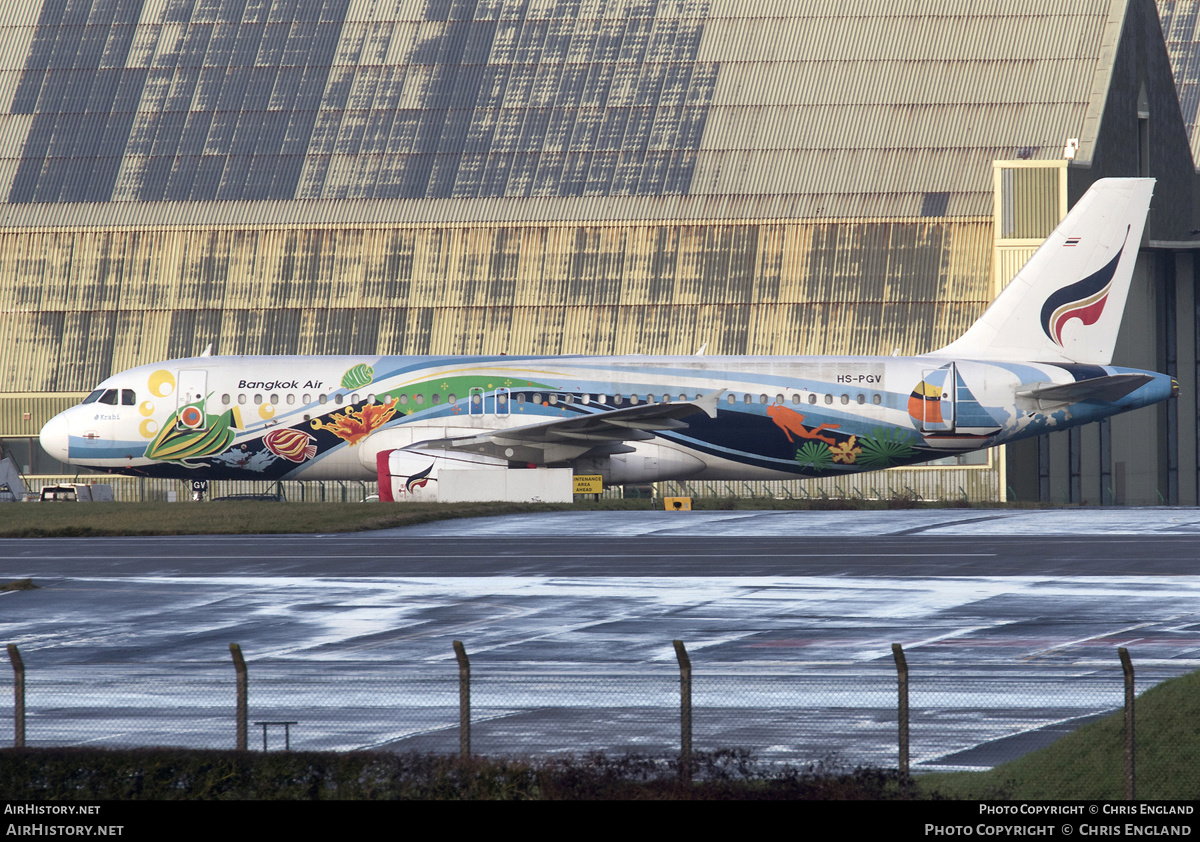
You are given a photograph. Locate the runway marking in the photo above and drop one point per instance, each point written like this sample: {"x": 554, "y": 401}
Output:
{"x": 1062, "y": 647}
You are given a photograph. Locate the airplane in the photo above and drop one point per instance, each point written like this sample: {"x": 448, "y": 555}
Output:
{"x": 1036, "y": 361}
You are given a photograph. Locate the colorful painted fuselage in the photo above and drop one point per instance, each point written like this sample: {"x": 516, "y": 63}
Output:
{"x": 776, "y": 417}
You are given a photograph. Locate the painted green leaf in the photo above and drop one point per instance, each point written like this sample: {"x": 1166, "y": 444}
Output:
{"x": 886, "y": 446}
{"x": 815, "y": 456}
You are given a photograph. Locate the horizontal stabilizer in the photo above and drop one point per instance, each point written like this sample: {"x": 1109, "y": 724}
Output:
{"x": 1109, "y": 389}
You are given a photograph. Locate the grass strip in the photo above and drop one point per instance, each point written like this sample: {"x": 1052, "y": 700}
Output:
{"x": 1090, "y": 763}
{"x": 186, "y": 775}
{"x": 254, "y": 517}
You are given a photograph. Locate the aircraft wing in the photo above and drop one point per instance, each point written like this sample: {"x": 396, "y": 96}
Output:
{"x": 565, "y": 439}
{"x": 1110, "y": 389}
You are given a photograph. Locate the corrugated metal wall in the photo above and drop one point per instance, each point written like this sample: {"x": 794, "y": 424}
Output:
{"x": 24, "y": 413}
{"x": 81, "y": 305}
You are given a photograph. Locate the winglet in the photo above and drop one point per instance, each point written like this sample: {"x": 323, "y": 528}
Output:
{"x": 708, "y": 402}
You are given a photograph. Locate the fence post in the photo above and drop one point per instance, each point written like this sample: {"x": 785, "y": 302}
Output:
{"x": 685, "y": 712}
{"x": 902, "y": 707}
{"x": 18, "y": 666}
{"x": 464, "y": 700}
{"x": 239, "y": 664}
{"x": 1127, "y": 668}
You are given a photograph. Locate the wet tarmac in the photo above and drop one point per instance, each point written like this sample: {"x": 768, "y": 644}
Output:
{"x": 1010, "y": 623}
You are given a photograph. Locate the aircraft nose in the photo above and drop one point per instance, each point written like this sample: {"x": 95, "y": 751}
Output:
{"x": 54, "y": 437}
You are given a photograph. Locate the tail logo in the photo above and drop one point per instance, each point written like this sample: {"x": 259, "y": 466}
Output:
{"x": 418, "y": 480}
{"x": 1083, "y": 300}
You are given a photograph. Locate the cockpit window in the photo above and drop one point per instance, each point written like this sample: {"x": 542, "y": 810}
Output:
{"x": 109, "y": 397}
{"x": 128, "y": 398}
{"x": 94, "y": 396}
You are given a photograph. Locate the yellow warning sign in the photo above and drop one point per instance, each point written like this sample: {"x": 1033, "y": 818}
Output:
{"x": 589, "y": 484}
{"x": 678, "y": 504}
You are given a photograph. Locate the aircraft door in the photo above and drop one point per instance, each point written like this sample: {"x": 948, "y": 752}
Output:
{"x": 475, "y": 401}
{"x": 933, "y": 400}
{"x": 502, "y": 401}
{"x": 191, "y": 399}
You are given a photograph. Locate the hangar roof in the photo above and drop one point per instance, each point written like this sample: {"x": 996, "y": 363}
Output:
{"x": 1181, "y": 30}
{"x": 213, "y": 112}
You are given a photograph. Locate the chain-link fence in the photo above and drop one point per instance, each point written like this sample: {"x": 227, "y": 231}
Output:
{"x": 959, "y": 717}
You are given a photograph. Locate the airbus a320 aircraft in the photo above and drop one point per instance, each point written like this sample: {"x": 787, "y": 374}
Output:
{"x": 1036, "y": 361}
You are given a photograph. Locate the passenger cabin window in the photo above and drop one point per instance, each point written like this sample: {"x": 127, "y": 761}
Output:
{"x": 225, "y": 400}
{"x": 241, "y": 398}
{"x": 795, "y": 399}
{"x": 812, "y": 399}
{"x": 875, "y": 399}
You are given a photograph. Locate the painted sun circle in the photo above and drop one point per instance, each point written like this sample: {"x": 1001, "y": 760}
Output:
{"x": 148, "y": 428}
{"x": 162, "y": 383}
{"x": 266, "y": 410}
{"x": 146, "y": 408}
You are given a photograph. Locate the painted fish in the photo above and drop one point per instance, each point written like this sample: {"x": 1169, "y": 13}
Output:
{"x": 177, "y": 444}
{"x": 354, "y": 425}
{"x": 294, "y": 445}
{"x": 358, "y": 376}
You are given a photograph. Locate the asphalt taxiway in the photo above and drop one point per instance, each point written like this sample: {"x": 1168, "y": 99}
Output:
{"x": 1010, "y": 621}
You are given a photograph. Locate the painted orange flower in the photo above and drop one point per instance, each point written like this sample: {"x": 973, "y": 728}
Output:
{"x": 846, "y": 452}
{"x": 354, "y": 425}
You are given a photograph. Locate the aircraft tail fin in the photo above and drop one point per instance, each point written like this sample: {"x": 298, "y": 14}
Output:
{"x": 1066, "y": 303}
